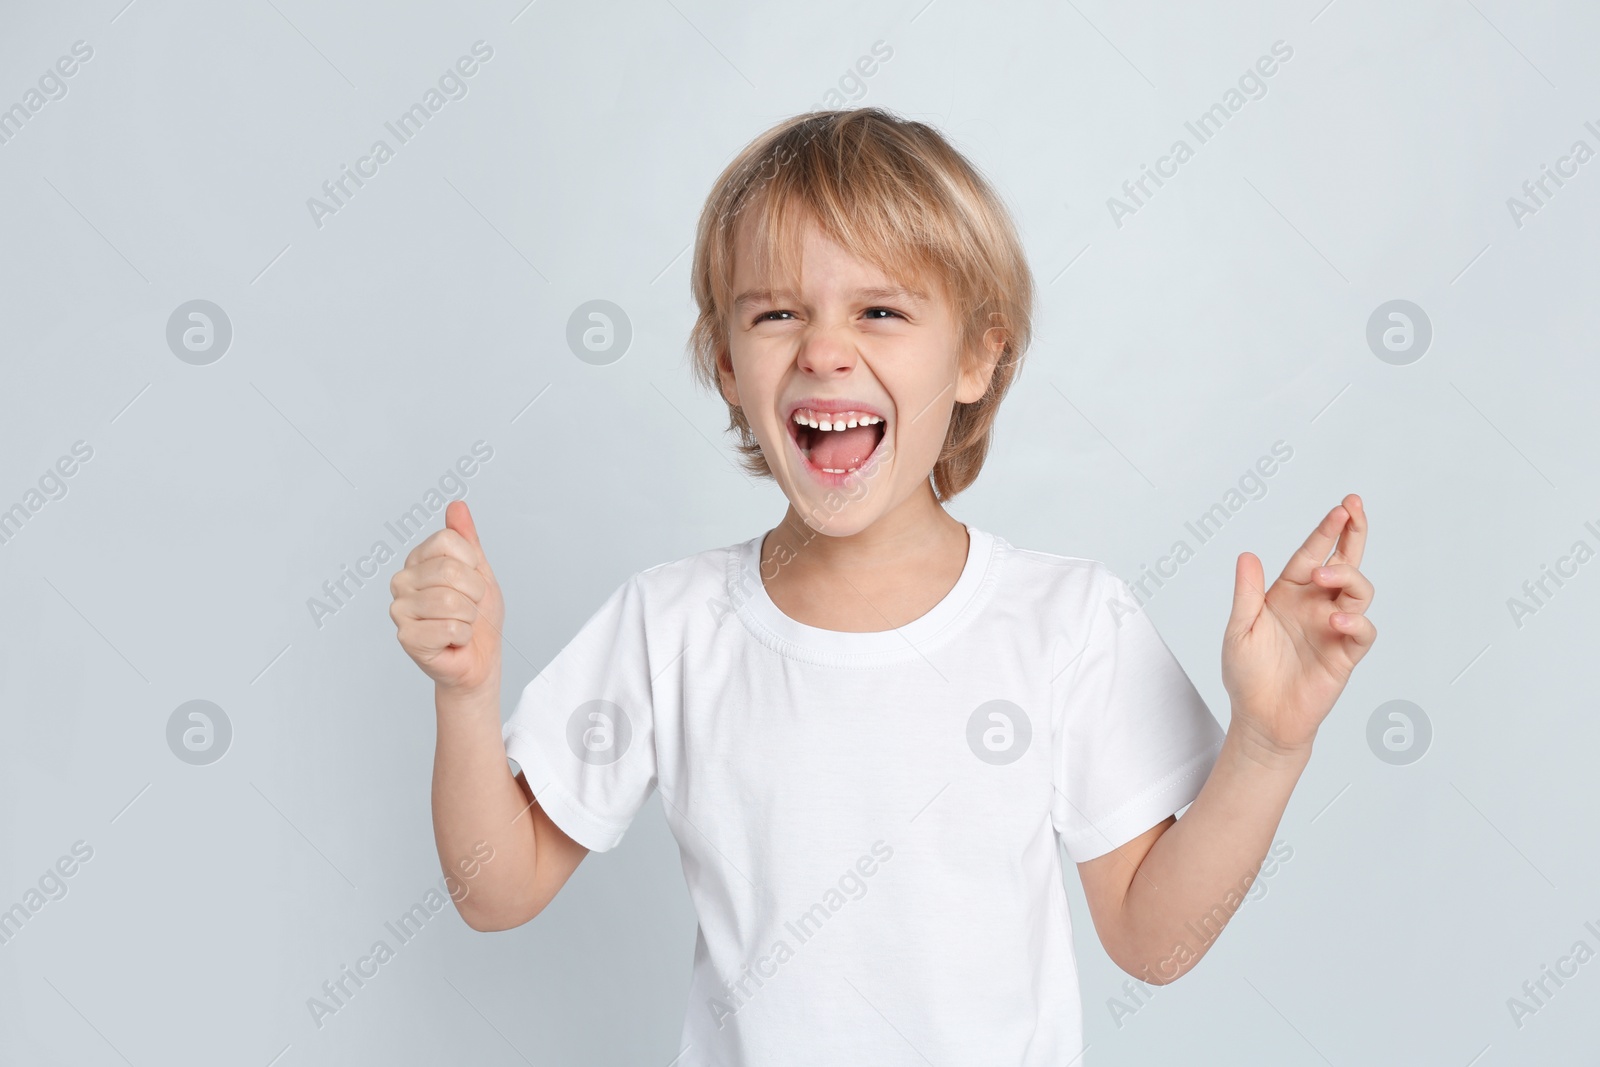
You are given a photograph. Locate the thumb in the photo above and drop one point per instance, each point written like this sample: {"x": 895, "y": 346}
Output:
{"x": 1249, "y": 593}
{"x": 459, "y": 519}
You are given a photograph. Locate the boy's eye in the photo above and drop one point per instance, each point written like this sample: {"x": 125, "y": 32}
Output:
{"x": 764, "y": 316}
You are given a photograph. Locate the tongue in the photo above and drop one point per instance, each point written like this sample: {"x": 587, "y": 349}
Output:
{"x": 843, "y": 449}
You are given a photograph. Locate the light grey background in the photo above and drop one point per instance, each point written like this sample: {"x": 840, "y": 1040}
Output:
{"x": 371, "y": 352}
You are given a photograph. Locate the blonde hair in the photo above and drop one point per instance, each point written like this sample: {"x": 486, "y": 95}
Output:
{"x": 892, "y": 192}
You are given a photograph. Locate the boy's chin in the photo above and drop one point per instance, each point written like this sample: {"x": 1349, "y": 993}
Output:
{"x": 837, "y": 512}
{"x": 850, "y": 520}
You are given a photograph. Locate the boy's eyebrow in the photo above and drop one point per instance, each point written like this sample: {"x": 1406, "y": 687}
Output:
{"x": 884, "y": 292}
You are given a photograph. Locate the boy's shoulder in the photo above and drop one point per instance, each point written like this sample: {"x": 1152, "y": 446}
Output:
{"x": 1053, "y": 573}
{"x": 703, "y": 571}
{"x": 1075, "y": 591}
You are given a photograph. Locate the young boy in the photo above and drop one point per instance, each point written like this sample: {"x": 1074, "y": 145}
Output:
{"x": 873, "y": 725}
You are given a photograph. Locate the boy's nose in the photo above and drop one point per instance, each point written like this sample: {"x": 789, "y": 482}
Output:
{"x": 827, "y": 356}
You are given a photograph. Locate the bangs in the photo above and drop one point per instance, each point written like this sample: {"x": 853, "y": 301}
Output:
{"x": 870, "y": 223}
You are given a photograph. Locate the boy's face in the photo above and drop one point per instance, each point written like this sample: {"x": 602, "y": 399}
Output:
{"x": 851, "y": 341}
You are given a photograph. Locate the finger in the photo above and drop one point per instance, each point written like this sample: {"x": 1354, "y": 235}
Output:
{"x": 443, "y": 571}
{"x": 439, "y": 602}
{"x": 1354, "y": 541}
{"x": 446, "y": 542}
{"x": 1355, "y": 589}
{"x": 458, "y": 518}
{"x": 1248, "y": 595}
{"x": 1358, "y": 628}
{"x": 427, "y": 638}
{"x": 1310, "y": 555}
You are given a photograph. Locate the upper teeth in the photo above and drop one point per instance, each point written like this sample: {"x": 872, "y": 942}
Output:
{"x": 841, "y": 422}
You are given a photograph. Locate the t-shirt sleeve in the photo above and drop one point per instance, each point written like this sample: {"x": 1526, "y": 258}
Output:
{"x": 583, "y": 729}
{"x": 1134, "y": 740}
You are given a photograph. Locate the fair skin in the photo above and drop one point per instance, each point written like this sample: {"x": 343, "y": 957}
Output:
{"x": 448, "y": 612}
{"x": 1287, "y": 652}
{"x": 881, "y": 555}
{"x": 874, "y": 559}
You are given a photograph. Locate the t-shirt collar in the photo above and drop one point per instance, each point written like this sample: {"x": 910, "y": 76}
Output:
{"x": 803, "y": 641}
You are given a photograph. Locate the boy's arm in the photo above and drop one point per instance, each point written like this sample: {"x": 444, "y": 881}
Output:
{"x": 1160, "y": 901}
{"x": 476, "y": 799}
{"x": 1287, "y": 653}
{"x": 503, "y": 857}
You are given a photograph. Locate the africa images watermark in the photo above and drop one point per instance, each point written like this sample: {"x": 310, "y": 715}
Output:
{"x": 410, "y": 523}
{"x": 1137, "y": 994}
{"x": 337, "y": 991}
{"x": 1537, "y": 592}
{"x": 1538, "y": 191}
{"x": 1252, "y": 85}
{"x": 452, "y": 85}
{"x": 1251, "y": 486}
{"x": 852, "y": 885}
{"x": 52, "y": 85}
{"x": 852, "y": 84}
{"x": 52, "y": 486}
{"x": 770, "y": 163}
{"x": 1536, "y": 992}
{"x": 52, "y": 886}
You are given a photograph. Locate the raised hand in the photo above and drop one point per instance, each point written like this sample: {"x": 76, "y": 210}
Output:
{"x": 1287, "y": 652}
{"x": 447, "y": 606}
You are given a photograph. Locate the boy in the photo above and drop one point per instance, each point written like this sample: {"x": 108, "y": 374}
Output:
{"x": 873, "y": 725}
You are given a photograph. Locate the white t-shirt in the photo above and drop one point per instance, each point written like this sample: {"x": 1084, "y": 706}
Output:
{"x": 869, "y": 822}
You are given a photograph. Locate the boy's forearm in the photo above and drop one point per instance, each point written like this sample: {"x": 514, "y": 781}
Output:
{"x": 476, "y": 799}
{"x": 1197, "y": 873}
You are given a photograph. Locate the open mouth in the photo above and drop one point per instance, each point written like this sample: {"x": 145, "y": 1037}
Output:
{"x": 836, "y": 444}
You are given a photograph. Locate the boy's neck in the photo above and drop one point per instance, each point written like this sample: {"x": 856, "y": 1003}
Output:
{"x": 916, "y": 531}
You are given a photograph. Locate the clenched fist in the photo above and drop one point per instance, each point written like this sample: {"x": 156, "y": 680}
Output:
{"x": 447, "y": 606}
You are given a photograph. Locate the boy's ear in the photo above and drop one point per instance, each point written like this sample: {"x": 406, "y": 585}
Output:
{"x": 730, "y": 388}
{"x": 978, "y": 368}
